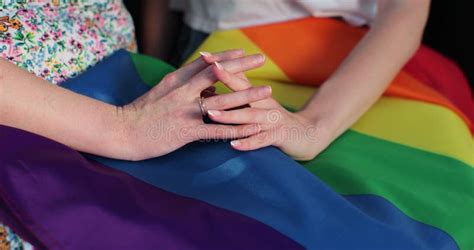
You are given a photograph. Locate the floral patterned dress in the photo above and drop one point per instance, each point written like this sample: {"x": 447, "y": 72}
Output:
{"x": 57, "y": 40}
{"x": 10, "y": 241}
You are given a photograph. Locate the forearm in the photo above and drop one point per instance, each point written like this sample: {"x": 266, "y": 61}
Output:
{"x": 30, "y": 103}
{"x": 364, "y": 75}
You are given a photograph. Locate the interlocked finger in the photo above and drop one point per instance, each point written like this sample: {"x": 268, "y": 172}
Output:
{"x": 237, "y": 99}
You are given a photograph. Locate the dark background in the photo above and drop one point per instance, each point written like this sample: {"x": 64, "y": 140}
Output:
{"x": 449, "y": 31}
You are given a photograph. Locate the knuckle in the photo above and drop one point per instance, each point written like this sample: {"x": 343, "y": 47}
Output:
{"x": 261, "y": 138}
{"x": 240, "y": 64}
{"x": 251, "y": 94}
{"x": 249, "y": 130}
{"x": 170, "y": 77}
{"x": 253, "y": 114}
{"x": 220, "y": 101}
{"x": 180, "y": 113}
{"x": 208, "y": 73}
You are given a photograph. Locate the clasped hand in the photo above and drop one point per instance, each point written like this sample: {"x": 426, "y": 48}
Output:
{"x": 169, "y": 115}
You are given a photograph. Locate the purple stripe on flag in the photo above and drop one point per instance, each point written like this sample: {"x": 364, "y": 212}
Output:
{"x": 69, "y": 202}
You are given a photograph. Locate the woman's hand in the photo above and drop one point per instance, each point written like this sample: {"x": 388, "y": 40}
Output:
{"x": 346, "y": 95}
{"x": 169, "y": 115}
{"x": 295, "y": 134}
{"x": 164, "y": 119}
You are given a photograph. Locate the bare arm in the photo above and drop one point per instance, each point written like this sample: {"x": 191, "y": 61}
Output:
{"x": 371, "y": 66}
{"x": 30, "y": 103}
{"x": 33, "y": 104}
{"x": 355, "y": 86}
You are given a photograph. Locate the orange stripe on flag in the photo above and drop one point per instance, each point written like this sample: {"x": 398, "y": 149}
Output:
{"x": 297, "y": 49}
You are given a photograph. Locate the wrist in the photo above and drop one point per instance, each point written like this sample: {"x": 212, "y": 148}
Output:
{"x": 120, "y": 142}
{"x": 325, "y": 125}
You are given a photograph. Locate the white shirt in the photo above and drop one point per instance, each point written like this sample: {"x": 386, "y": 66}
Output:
{"x": 211, "y": 15}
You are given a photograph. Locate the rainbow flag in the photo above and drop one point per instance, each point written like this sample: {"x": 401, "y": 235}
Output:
{"x": 401, "y": 178}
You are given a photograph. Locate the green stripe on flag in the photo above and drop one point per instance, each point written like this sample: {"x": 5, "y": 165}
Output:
{"x": 427, "y": 187}
{"x": 150, "y": 69}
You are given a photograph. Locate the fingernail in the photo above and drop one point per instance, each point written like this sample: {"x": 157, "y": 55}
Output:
{"x": 214, "y": 112}
{"x": 269, "y": 89}
{"x": 261, "y": 57}
{"x": 219, "y": 66}
{"x": 205, "y": 54}
{"x": 235, "y": 143}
